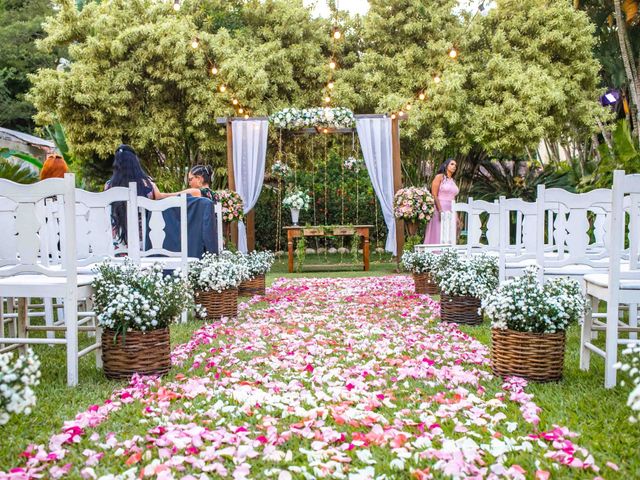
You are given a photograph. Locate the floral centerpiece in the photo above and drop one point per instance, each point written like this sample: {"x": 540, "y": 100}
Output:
{"x": 17, "y": 381}
{"x": 414, "y": 205}
{"x": 463, "y": 280}
{"x": 320, "y": 117}
{"x": 421, "y": 265}
{"x": 296, "y": 200}
{"x": 232, "y": 205}
{"x": 258, "y": 265}
{"x": 135, "y": 306}
{"x": 529, "y": 321}
{"x": 215, "y": 280}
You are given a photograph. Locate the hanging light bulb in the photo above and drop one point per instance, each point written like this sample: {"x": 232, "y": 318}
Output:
{"x": 222, "y": 88}
{"x": 234, "y": 101}
{"x": 214, "y": 70}
{"x": 326, "y": 130}
{"x": 336, "y": 33}
{"x": 176, "y": 5}
{"x": 246, "y": 116}
{"x": 195, "y": 43}
{"x": 241, "y": 111}
{"x": 332, "y": 65}
{"x": 401, "y": 113}
{"x": 327, "y": 99}
{"x": 453, "y": 53}
{"x": 330, "y": 85}
{"x": 437, "y": 79}
{"x": 407, "y": 106}
{"x": 422, "y": 96}
{"x": 393, "y": 116}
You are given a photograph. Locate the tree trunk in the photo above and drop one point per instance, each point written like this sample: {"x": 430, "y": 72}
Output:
{"x": 629, "y": 64}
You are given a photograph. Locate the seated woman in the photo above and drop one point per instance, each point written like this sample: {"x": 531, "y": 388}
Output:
{"x": 199, "y": 182}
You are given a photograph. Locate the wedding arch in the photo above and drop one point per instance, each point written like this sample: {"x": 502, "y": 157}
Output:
{"x": 379, "y": 136}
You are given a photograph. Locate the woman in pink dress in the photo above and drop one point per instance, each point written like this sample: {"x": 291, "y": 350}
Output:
{"x": 444, "y": 191}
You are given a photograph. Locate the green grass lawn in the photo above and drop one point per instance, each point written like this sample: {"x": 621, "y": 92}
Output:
{"x": 579, "y": 402}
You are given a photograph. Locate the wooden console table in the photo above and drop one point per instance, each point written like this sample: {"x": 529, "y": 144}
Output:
{"x": 338, "y": 231}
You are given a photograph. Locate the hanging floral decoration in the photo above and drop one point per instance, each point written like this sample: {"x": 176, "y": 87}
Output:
{"x": 353, "y": 164}
{"x": 281, "y": 170}
{"x": 294, "y": 118}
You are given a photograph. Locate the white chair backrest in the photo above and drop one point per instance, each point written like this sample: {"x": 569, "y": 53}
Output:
{"x": 481, "y": 221}
{"x": 578, "y": 228}
{"x": 29, "y": 233}
{"x": 218, "y": 212}
{"x": 625, "y": 193}
{"x": 156, "y": 225}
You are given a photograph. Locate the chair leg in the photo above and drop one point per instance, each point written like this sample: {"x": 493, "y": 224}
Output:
{"x": 71, "y": 323}
{"x": 585, "y": 334}
{"x": 23, "y": 316}
{"x": 633, "y": 320}
{"x": 48, "y": 317}
{"x": 594, "y": 308}
{"x": 611, "y": 345}
{"x": 11, "y": 308}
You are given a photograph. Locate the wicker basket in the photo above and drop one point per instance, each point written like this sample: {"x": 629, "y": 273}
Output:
{"x": 219, "y": 304}
{"x": 249, "y": 288}
{"x": 460, "y": 309}
{"x": 146, "y": 353}
{"x": 534, "y": 356}
{"x": 425, "y": 284}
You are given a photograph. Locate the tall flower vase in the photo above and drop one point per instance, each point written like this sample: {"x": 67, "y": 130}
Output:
{"x": 295, "y": 215}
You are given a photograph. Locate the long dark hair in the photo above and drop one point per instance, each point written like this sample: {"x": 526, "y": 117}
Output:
{"x": 445, "y": 165}
{"x": 126, "y": 169}
{"x": 204, "y": 171}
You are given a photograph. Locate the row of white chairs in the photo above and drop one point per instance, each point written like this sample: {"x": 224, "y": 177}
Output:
{"x": 592, "y": 237}
{"x": 44, "y": 255}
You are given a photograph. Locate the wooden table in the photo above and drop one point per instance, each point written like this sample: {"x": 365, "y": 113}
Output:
{"x": 334, "y": 231}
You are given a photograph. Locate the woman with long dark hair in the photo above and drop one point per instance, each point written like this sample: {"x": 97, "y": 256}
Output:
{"x": 444, "y": 191}
{"x": 127, "y": 169}
{"x": 199, "y": 184}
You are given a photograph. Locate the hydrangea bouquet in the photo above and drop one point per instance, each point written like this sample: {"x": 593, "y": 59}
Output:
{"x": 524, "y": 305}
{"x": 281, "y": 170}
{"x": 17, "y": 380}
{"x": 413, "y": 204}
{"x": 353, "y": 164}
{"x": 420, "y": 262}
{"x": 323, "y": 117}
{"x": 259, "y": 263}
{"x": 297, "y": 199}
{"x": 232, "y": 205}
{"x": 473, "y": 276}
{"x": 218, "y": 272}
{"x": 129, "y": 297}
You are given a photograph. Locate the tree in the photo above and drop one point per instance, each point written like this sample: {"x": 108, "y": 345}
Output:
{"x": 20, "y": 26}
{"x": 629, "y": 64}
{"x": 135, "y": 78}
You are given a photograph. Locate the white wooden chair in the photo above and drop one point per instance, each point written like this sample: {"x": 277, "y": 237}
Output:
{"x": 28, "y": 270}
{"x": 217, "y": 209}
{"x": 620, "y": 285}
{"x": 481, "y": 236}
{"x": 578, "y": 231}
{"x": 518, "y": 217}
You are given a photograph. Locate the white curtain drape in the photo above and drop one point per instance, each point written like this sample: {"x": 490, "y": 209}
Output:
{"x": 249, "y": 157}
{"x": 375, "y": 140}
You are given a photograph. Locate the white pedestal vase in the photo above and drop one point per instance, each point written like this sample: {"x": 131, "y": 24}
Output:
{"x": 295, "y": 215}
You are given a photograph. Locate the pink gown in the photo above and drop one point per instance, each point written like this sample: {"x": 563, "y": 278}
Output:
{"x": 446, "y": 194}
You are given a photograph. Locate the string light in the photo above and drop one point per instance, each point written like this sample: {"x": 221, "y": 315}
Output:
{"x": 393, "y": 116}
{"x": 214, "y": 70}
{"x": 195, "y": 43}
{"x": 240, "y": 110}
{"x": 222, "y": 88}
{"x": 337, "y": 35}
{"x": 407, "y": 106}
{"x": 330, "y": 85}
{"x": 326, "y": 130}
{"x": 234, "y": 101}
{"x": 422, "y": 96}
{"x": 176, "y": 5}
{"x": 453, "y": 53}
{"x": 327, "y": 99}
{"x": 437, "y": 79}
{"x": 332, "y": 65}
{"x": 401, "y": 113}
{"x": 246, "y": 116}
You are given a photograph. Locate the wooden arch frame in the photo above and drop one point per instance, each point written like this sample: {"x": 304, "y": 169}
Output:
{"x": 397, "y": 171}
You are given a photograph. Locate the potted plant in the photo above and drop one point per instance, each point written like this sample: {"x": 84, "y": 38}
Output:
{"x": 463, "y": 282}
{"x": 215, "y": 280}
{"x": 296, "y": 200}
{"x": 528, "y": 324}
{"x": 258, "y": 264}
{"x": 232, "y": 209}
{"x": 421, "y": 264}
{"x": 414, "y": 205}
{"x": 134, "y": 307}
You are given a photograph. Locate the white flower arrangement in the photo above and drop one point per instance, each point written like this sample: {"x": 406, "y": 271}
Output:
{"x": 218, "y": 272}
{"x": 280, "y": 170}
{"x": 353, "y": 164}
{"x": 420, "y": 262}
{"x": 632, "y": 368}
{"x": 324, "y": 117}
{"x": 524, "y": 305}
{"x": 130, "y": 297}
{"x": 259, "y": 263}
{"x": 297, "y": 199}
{"x": 473, "y": 276}
{"x": 17, "y": 381}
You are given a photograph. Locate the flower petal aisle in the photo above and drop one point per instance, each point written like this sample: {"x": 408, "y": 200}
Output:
{"x": 322, "y": 378}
